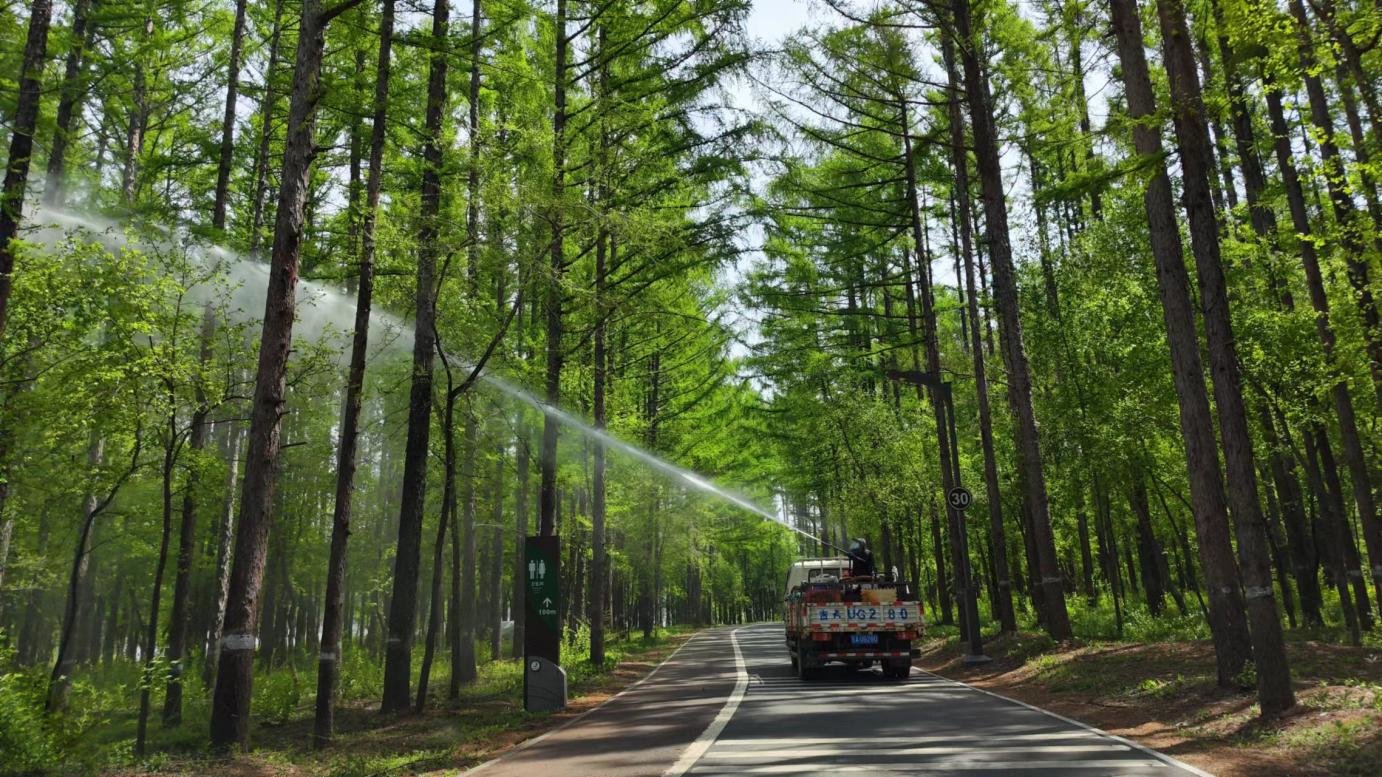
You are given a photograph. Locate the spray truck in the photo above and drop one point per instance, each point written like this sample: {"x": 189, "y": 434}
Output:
{"x": 834, "y": 615}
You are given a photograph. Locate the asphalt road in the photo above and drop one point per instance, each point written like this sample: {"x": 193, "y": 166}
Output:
{"x": 729, "y": 703}
{"x": 643, "y": 730}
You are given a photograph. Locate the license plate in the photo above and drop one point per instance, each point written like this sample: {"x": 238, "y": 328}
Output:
{"x": 863, "y": 639}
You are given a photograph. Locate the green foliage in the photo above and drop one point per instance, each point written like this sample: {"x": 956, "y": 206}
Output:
{"x": 1099, "y": 622}
{"x": 1348, "y": 748}
{"x": 277, "y": 696}
{"x": 25, "y": 736}
{"x": 756, "y": 277}
{"x": 33, "y": 740}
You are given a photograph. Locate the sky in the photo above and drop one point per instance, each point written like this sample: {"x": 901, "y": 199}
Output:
{"x": 771, "y": 19}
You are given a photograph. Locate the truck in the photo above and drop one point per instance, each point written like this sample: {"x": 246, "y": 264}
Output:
{"x": 833, "y": 616}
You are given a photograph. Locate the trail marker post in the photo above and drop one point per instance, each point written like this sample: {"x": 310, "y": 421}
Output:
{"x": 544, "y": 681}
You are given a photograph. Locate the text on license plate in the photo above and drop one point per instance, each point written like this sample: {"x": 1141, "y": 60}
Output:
{"x": 863, "y": 639}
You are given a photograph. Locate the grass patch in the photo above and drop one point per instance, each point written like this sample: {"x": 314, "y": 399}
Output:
{"x": 96, "y": 734}
{"x": 1158, "y": 684}
{"x": 1349, "y": 748}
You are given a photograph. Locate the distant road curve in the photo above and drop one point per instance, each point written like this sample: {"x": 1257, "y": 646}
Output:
{"x": 728, "y": 703}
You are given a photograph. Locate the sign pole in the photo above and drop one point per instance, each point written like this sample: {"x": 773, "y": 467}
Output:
{"x": 958, "y": 500}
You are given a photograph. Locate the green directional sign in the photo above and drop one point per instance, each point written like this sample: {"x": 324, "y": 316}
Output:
{"x": 542, "y": 603}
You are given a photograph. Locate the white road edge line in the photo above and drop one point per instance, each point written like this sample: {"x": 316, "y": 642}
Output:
{"x": 693, "y": 753}
{"x": 1166, "y": 759}
{"x": 527, "y": 743}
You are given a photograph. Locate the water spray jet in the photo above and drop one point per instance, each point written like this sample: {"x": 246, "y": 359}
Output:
{"x": 322, "y": 311}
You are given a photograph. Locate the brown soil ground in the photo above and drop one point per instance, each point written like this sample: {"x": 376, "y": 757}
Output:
{"x": 1164, "y": 695}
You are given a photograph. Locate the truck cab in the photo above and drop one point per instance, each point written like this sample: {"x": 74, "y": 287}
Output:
{"x": 816, "y": 569}
{"x": 830, "y": 616}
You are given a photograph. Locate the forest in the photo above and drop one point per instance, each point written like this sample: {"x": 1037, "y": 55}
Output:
{"x": 311, "y": 311}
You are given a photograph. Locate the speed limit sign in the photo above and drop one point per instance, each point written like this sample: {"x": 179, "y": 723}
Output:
{"x": 959, "y": 497}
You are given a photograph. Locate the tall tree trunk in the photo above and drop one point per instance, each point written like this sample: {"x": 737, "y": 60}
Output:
{"x": 434, "y": 613}
{"x": 1148, "y": 548}
{"x": 1269, "y": 654}
{"x": 1091, "y": 593}
{"x": 959, "y": 160}
{"x": 21, "y": 145}
{"x": 69, "y": 103}
{"x": 472, "y": 208}
{"x": 227, "y": 150}
{"x": 496, "y": 559}
{"x": 60, "y": 680}
{"x": 235, "y": 663}
{"x": 467, "y": 614}
{"x": 1192, "y": 134}
{"x": 603, "y": 241}
{"x": 138, "y": 121}
{"x": 329, "y": 658}
{"x": 547, "y": 489}
{"x": 1264, "y": 224}
{"x": 1073, "y": 24}
{"x": 465, "y": 666}
{"x": 171, "y": 445}
{"x": 1228, "y": 625}
{"x": 403, "y": 603}
{"x": 1299, "y": 539}
{"x": 225, "y": 539}
{"x": 940, "y": 397}
{"x": 1349, "y": 221}
{"x": 448, "y": 514}
{"x": 1010, "y": 331}
{"x": 182, "y": 584}
{"x": 942, "y": 580}
{"x": 520, "y": 510}
{"x": 1318, "y": 459}
{"x": 1274, "y": 536}
{"x": 266, "y": 117}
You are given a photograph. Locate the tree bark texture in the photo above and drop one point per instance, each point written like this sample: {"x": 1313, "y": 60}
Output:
{"x": 21, "y": 145}
{"x": 1227, "y": 623}
{"x": 329, "y": 657}
{"x": 227, "y": 149}
{"x": 1192, "y": 134}
{"x": 69, "y": 102}
{"x": 547, "y": 488}
{"x": 1010, "y": 329}
{"x": 182, "y": 583}
{"x": 235, "y": 663}
{"x": 403, "y": 603}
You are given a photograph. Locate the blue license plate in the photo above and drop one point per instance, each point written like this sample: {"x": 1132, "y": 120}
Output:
{"x": 863, "y": 639}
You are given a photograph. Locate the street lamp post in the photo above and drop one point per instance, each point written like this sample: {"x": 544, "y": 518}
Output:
{"x": 956, "y": 500}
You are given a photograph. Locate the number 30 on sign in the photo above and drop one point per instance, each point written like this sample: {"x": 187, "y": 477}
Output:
{"x": 959, "y": 497}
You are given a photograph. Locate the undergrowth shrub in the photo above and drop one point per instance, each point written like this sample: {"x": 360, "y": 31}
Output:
{"x": 276, "y": 696}
{"x": 26, "y": 739}
{"x": 361, "y": 674}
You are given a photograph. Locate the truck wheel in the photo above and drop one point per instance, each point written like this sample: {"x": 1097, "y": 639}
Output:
{"x": 897, "y": 669}
{"x": 794, "y": 662}
{"x": 803, "y": 673}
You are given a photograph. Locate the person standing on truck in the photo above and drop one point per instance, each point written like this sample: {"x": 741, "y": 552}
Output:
{"x": 860, "y": 558}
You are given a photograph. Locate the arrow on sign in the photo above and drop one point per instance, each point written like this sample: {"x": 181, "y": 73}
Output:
{"x": 547, "y": 602}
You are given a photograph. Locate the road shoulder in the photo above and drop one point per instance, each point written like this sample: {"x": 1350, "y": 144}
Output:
{"x": 1163, "y": 696}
